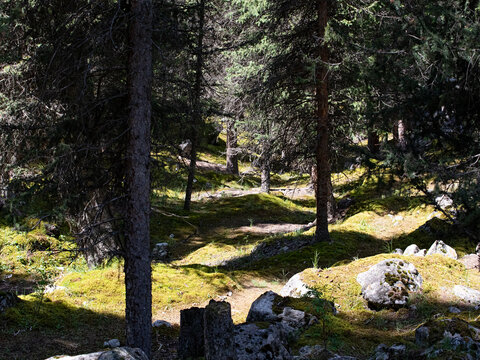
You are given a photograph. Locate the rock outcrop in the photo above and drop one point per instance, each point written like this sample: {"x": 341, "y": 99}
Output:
{"x": 121, "y": 353}
{"x": 388, "y": 283}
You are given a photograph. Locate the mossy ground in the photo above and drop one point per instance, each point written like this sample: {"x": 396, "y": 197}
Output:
{"x": 89, "y": 308}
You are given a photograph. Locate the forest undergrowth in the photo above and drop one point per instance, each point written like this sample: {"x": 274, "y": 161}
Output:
{"x": 215, "y": 253}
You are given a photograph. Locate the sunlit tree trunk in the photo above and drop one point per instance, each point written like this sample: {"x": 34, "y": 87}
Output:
{"x": 399, "y": 134}
{"x": 232, "y": 153}
{"x": 138, "y": 284}
{"x": 321, "y": 97}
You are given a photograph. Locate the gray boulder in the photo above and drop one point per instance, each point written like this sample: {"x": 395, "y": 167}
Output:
{"x": 439, "y": 247}
{"x": 121, "y": 353}
{"x": 262, "y": 308}
{"x": 471, "y": 261}
{"x": 295, "y": 287}
{"x": 8, "y": 300}
{"x": 411, "y": 250}
{"x": 113, "y": 343}
{"x": 253, "y": 342}
{"x": 467, "y": 294}
{"x": 319, "y": 352}
{"x": 160, "y": 251}
{"x": 394, "y": 352}
{"x": 388, "y": 283}
{"x": 421, "y": 336}
{"x": 444, "y": 201}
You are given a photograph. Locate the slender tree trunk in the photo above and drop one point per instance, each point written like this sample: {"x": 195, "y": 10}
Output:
{"x": 196, "y": 105}
{"x": 399, "y": 134}
{"x": 232, "y": 154}
{"x": 323, "y": 165}
{"x": 138, "y": 284}
{"x": 373, "y": 141}
{"x": 265, "y": 179}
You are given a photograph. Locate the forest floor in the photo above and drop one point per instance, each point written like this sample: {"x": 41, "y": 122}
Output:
{"x": 235, "y": 244}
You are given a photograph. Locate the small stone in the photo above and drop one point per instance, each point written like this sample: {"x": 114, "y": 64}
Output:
{"x": 398, "y": 251}
{"x": 454, "y": 310}
{"x": 229, "y": 293}
{"x": 159, "y": 323}
{"x": 113, "y": 343}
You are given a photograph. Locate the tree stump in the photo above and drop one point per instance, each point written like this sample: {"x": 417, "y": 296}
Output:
{"x": 191, "y": 341}
{"x": 219, "y": 332}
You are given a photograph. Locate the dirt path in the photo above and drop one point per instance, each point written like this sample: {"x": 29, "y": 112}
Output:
{"x": 240, "y": 301}
{"x": 292, "y": 193}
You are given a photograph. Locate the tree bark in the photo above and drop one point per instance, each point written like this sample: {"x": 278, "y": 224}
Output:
{"x": 265, "y": 177}
{"x": 138, "y": 284}
{"x": 196, "y": 105}
{"x": 399, "y": 134}
{"x": 321, "y": 97}
{"x": 373, "y": 142}
{"x": 232, "y": 154}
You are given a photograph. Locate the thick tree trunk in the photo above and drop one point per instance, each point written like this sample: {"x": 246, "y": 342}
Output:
{"x": 196, "y": 105}
{"x": 323, "y": 165}
{"x": 232, "y": 154}
{"x": 138, "y": 284}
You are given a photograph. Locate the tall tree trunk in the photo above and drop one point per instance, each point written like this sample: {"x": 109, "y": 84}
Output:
{"x": 138, "y": 282}
{"x": 196, "y": 105}
{"x": 232, "y": 154}
{"x": 332, "y": 204}
{"x": 321, "y": 97}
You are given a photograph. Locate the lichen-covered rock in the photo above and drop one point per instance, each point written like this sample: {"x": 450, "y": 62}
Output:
{"x": 7, "y": 300}
{"x": 318, "y": 352}
{"x": 439, "y": 247}
{"x": 467, "y": 294}
{"x": 448, "y": 338}
{"x": 421, "y": 336}
{"x": 388, "y": 283}
{"x": 295, "y": 287}
{"x": 121, "y": 353}
{"x": 253, "y": 342}
{"x": 394, "y": 352}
